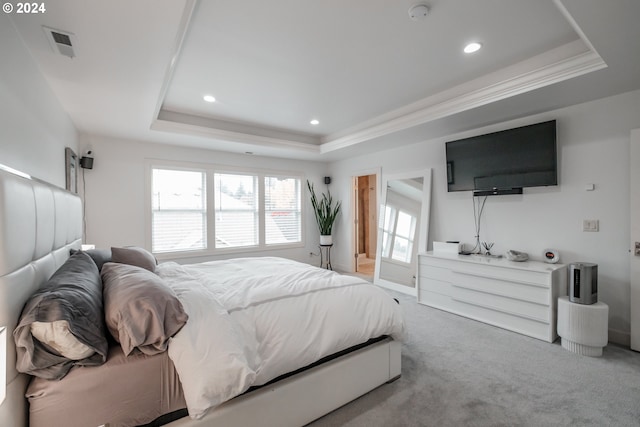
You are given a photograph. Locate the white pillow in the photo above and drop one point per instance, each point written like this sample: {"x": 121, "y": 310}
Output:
{"x": 57, "y": 335}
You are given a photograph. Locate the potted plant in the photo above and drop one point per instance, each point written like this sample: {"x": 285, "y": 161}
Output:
{"x": 326, "y": 212}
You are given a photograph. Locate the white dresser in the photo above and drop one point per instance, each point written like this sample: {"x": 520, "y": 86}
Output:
{"x": 519, "y": 296}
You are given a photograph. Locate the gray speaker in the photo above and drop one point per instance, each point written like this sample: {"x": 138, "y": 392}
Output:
{"x": 583, "y": 283}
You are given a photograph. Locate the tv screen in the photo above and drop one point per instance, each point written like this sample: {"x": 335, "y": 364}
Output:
{"x": 505, "y": 160}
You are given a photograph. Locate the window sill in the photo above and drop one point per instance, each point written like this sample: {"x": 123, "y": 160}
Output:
{"x": 168, "y": 256}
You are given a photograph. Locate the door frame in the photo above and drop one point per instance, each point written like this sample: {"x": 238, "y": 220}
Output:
{"x": 377, "y": 171}
{"x": 634, "y": 232}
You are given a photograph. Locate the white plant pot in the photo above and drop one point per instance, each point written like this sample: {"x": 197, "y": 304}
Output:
{"x": 326, "y": 240}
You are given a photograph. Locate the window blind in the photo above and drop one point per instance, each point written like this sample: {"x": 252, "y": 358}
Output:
{"x": 283, "y": 213}
{"x": 178, "y": 210}
{"x": 236, "y": 210}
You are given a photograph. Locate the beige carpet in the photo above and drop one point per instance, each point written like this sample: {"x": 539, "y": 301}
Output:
{"x": 459, "y": 372}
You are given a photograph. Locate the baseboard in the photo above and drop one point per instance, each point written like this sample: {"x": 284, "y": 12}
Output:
{"x": 341, "y": 268}
{"x": 620, "y": 337}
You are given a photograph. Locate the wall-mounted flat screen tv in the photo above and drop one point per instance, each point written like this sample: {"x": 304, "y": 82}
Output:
{"x": 504, "y": 162}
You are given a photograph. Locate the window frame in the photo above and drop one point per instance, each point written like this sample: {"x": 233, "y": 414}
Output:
{"x": 392, "y": 234}
{"x": 210, "y": 170}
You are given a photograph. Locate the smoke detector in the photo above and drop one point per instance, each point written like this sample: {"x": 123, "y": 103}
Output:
{"x": 418, "y": 12}
{"x": 60, "y": 41}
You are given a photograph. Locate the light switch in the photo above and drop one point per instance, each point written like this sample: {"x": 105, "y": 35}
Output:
{"x": 590, "y": 225}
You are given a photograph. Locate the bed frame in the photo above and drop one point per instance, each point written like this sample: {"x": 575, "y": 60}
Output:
{"x": 40, "y": 222}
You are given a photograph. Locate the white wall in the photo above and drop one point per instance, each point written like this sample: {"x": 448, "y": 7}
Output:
{"x": 115, "y": 191}
{"x": 34, "y": 129}
{"x": 593, "y": 146}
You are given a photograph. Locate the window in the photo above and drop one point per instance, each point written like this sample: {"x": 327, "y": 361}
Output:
{"x": 247, "y": 209}
{"x": 236, "y": 210}
{"x": 398, "y": 230}
{"x": 282, "y": 210}
{"x": 178, "y": 210}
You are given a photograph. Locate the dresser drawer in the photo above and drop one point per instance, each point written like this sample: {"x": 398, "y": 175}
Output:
{"x": 522, "y": 325}
{"x": 437, "y": 273}
{"x": 514, "y": 307}
{"x": 533, "y": 293}
{"x": 434, "y": 285}
{"x": 491, "y": 268}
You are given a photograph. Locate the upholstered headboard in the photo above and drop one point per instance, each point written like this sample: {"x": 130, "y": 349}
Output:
{"x": 39, "y": 223}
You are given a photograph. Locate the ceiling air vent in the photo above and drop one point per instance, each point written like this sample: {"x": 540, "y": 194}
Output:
{"x": 60, "y": 41}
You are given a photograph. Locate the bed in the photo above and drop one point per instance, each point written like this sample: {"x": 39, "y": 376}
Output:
{"x": 40, "y": 224}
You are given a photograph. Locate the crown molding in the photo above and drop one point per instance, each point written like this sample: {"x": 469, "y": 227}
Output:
{"x": 249, "y": 129}
{"x": 232, "y": 136}
{"x": 552, "y": 67}
{"x": 181, "y": 34}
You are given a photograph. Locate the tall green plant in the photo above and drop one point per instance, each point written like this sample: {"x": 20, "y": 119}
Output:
{"x": 324, "y": 209}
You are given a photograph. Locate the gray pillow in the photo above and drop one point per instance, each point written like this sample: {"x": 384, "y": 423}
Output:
{"x": 99, "y": 256}
{"x": 73, "y": 295}
{"x": 141, "y": 310}
{"x": 134, "y": 255}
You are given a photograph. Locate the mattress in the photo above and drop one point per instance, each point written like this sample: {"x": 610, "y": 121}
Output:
{"x": 78, "y": 400}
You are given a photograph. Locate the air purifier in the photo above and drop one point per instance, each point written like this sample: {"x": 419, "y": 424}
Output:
{"x": 583, "y": 283}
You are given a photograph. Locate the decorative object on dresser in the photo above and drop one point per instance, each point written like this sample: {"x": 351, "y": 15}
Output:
{"x": 449, "y": 247}
{"x": 521, "y": 297}
{"x": 326, "y": 212}
{"x": 551, "y": 256}
{"x": 517, "y": 256}
{"x": 487, "y": 247}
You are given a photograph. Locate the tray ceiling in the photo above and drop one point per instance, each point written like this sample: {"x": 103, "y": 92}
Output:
{"x": 364, "y": 69}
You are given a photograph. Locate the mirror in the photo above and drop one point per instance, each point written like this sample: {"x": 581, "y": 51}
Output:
{"x": 402, "y": 229}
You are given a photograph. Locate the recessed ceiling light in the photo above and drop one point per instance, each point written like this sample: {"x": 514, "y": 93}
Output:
{"x": 314, "y": 122}
{"x": 472, "y": 47}
{"x": 209, "y": 98}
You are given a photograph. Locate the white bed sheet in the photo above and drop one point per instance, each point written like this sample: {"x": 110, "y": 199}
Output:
{"x": 254, "y": 319}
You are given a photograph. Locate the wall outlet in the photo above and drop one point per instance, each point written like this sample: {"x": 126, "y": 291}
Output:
{"x": 590, "y": 225}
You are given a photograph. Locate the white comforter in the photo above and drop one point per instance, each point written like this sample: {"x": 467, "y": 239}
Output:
{"x": 254, "y": 319}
